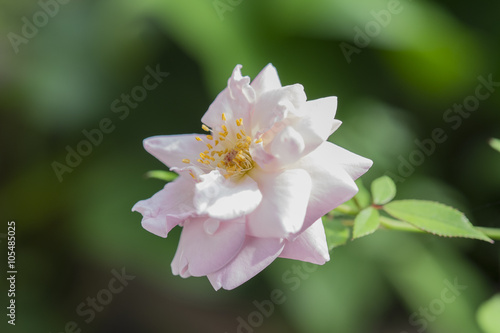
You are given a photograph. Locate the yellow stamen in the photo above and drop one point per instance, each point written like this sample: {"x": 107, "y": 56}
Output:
{"x": 243, "y": 133}
{"x": 216, "y": 142}
{"x": 209, "y": 146}
{"x": 209, "y": 137}
{"x": 198, "y": 138}
{"x": 186, "y": 161}
{"x": 258, "y": 141}
{"x": 238, "y": 135}
{"x": 249, "y": 139}
{"x": 205, "y": 128}
{"x": 224, "y": 117}
{"x": 239, "y": 122}
{"x": 224, "y": 128}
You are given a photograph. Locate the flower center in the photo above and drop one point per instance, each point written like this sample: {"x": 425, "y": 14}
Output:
{"x": 228, "y": 150}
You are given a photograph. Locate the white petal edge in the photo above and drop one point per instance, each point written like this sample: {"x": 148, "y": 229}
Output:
{"x": 266, "y": 80}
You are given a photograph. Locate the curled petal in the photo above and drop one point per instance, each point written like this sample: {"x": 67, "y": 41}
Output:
{"x": 267, "y": 80}
{"x": 226, "y": 199}
{"x": 274, "y": 106}
{"x": 309, "y": 246}
{"x": 200, "y": 252}
{"x": 281, "y": 213}
{"x": 172, "y": 149}
{"x": 236, "y": 101}
{"x": 255, "y": 255}
{"x": 168, "y": 207}
{"x": 318, "y": 122}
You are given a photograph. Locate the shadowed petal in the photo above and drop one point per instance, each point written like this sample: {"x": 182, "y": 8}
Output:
{"x": 200, "y": 252}
{"x": 172, "y": 149}
{"x": 255, "y": 255}
{"x": 309, "y": 246}
{"x": 168, "y": 207}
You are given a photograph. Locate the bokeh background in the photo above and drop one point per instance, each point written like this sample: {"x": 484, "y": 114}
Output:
{"x": 393, "y": 89}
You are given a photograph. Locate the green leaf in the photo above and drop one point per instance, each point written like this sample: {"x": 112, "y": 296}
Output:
{"x": 336, "y": 233}
{"x": 488, "y": 315}
{"x": 495, "y": 144}
{"x": 383, "y": 190}
{"x": 366, "y": 222}
{"x": 167, "y": 176}
{"x": 435, "y": 218}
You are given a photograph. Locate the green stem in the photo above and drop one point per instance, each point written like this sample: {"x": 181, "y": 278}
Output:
{"x": 346, "y": 210}
{"x": 492, "y": 233}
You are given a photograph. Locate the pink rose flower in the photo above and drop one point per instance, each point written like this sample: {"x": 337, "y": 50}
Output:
{"x": 256, "y": 186}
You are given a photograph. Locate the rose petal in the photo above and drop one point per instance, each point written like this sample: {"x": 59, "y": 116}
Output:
{"x": 172, "y": 149}
{"x": 309, "y": 246}
{"x": 332, "y": 177}
{"x": 224, "y": 198}
{"x": 255, "y": 255}
{"x": 236, "y": 101}
{"x": 200, "y": 253}
{"x": 274, "y": 106}
{"x": 266, "y": 80}
{"x": 282, "y": 211}
{"x": 179, "y": 265}
{"x": 353, "y": 164}
{"x": 168, "y": 207}
{"x": 287, "y": 146}
{"x": 318, "y": 121}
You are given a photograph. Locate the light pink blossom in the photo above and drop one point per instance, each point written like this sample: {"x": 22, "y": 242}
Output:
{"x": 254, "y": 187}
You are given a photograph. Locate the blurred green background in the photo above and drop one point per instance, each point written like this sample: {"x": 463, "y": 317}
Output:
{"x": 411, "y": 62}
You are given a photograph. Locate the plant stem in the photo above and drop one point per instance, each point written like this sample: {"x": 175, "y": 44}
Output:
{"x": 346, "y": 210}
